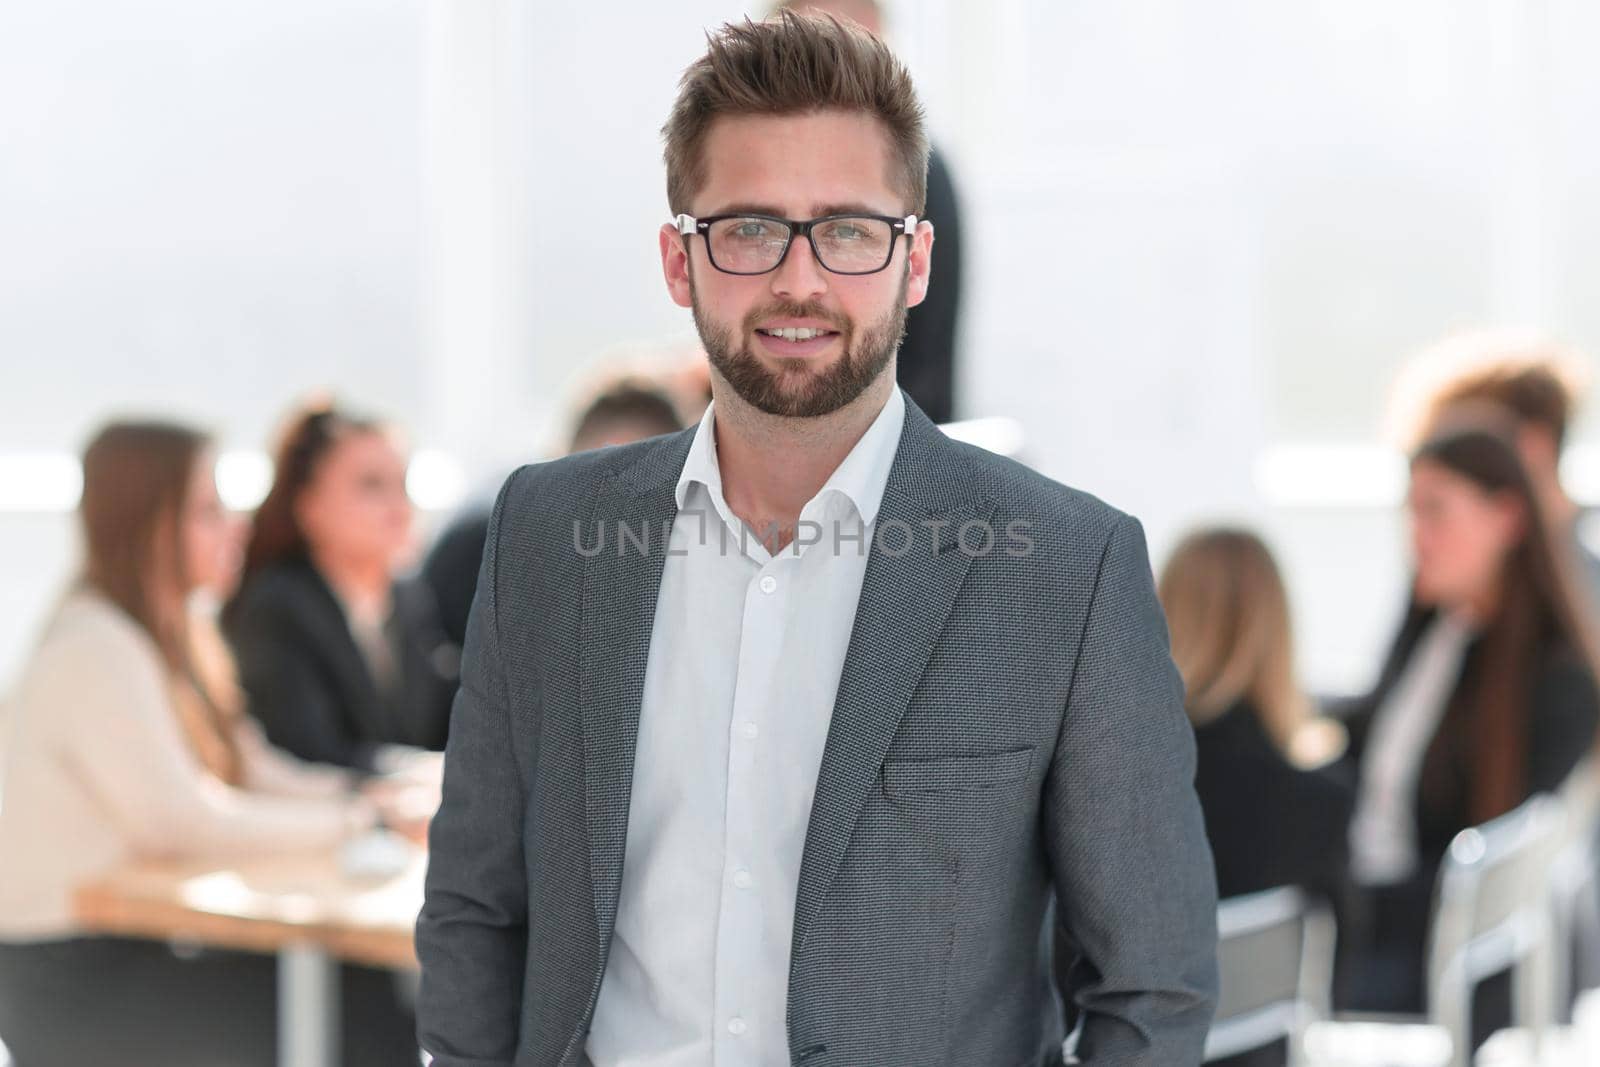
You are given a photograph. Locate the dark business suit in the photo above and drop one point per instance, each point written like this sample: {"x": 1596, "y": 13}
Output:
{"x": 451, "y": 570}
{"x": 1270, "y": 823}
{"x": 926, "y": 364}
{"x": 308, "y": 682}
{"x": 1007, "y": 727}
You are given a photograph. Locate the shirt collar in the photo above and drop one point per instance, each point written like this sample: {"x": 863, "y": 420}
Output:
{"x": 860, "y": 478}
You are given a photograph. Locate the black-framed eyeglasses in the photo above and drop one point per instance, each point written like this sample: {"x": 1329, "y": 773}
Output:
{"x": 756, "y": 244}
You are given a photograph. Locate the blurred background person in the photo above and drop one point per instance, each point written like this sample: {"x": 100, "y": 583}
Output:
{"x": 926, "y": 363}
{"x": 687, "y": 380}
{"x": 1536, "y": 382}
{"x": 344, "y": 661}
{"x": 130, "y": 741}
{"x": 1487, "y": 696}
{"x": 620, "y": 411}
{"x": 1274, "y": 811}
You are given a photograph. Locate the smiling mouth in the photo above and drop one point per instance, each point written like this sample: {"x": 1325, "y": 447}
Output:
{"x": 798, "y": 333}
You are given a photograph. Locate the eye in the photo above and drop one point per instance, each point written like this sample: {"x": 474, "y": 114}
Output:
{"x": 752, "y": 229}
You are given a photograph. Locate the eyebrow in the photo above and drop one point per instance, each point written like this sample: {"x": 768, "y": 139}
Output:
{"x": 818, "y": 210}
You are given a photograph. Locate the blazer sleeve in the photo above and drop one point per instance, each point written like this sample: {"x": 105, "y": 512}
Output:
{"x": 287, "y": 693}
{"x": 431, "y": 664}
{"x": 472, "y": 933}
{"x": 1135, "y": 887}
{"x": 451, "y": 571}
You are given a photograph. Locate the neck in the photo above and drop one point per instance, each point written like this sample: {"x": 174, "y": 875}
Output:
{"x": 360, "y": 582}
{"x": 1480, "y": 606}
{"x": 773, "y": 464}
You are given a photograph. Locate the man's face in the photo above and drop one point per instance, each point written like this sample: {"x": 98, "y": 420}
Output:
{"x": 798, "y": 167}
{"x": 863, "y": 13}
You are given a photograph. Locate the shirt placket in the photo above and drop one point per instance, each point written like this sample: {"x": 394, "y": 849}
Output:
{"x": 740, "y": 918}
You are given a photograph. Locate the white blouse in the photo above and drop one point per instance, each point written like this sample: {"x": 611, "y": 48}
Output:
{"x": 1383, "y": 830}
{"x": 97, "y": 771}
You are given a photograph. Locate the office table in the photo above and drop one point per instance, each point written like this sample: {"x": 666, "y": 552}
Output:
{"x": 301, "y": 907}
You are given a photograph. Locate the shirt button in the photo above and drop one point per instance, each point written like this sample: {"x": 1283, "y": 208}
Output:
{"x": 742, "y": 879}
{"x": 750, "y": 730}
{"x": 768, "y": 583}
{"x": 736, "y": 1026}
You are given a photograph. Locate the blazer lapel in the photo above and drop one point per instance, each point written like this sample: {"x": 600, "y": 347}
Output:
{"x": 620, "y": 584}
{"x": 905, "y": 600}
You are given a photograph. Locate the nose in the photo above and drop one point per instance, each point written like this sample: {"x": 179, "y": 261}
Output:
{"x": 799, "y": 277}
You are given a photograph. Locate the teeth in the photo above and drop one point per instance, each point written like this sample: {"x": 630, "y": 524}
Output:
{"x": 802, "y": 333}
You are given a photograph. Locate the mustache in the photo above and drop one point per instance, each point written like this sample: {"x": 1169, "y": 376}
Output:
{"x": 785, "y": 310}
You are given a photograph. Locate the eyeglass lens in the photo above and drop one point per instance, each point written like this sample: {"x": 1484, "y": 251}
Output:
{"x": 843, "y": 245}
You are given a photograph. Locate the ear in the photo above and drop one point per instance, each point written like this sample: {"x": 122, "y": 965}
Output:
{"x": 921, "y": 264}
{"x": 675, "y": 265}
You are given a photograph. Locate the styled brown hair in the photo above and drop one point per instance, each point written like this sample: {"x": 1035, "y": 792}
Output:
{"x": 1228, "y": 613}
{"x": 1536, "y": 380}
{"x": 136, "y": 478}
{"x": 1542, "y": 607}
{"x": 310, "y": 434}
{"x": 1532, "y": 391}
{"x": 787, "y": 65}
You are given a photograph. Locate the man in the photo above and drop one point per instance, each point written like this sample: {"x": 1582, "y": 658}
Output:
{"x": 776, "y": 736}
{"x": 926, "y": 362}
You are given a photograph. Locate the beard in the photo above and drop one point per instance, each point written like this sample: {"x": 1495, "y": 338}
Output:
{"x": 796, "y": 389}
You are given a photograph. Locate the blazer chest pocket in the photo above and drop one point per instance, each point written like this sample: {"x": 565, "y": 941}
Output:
{"x": 911, "y": 778}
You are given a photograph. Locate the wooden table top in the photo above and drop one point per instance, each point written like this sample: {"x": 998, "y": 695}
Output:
{"x": 262, "y": 904}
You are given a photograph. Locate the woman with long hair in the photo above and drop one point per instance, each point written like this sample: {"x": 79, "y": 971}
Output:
{"x": 128, "y": 741}
{"x": 1270, "y": 808}
{"x": 345, "y": 662}
{"x": 1488, "y": 694}
{"x": 1269, "y": 813}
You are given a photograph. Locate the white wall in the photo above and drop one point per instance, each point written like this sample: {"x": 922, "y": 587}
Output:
{"x": 206, "y": 210}
{"x": 1198, "y": 231}
{"x": 1214, "y": 230}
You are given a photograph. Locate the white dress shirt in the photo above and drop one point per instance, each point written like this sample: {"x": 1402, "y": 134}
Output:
{"x": 745, "y": 658}
{"x": 1383, "y": 830}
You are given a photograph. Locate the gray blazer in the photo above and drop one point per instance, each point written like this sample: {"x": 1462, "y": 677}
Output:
{"x": 1009, "y": 727}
